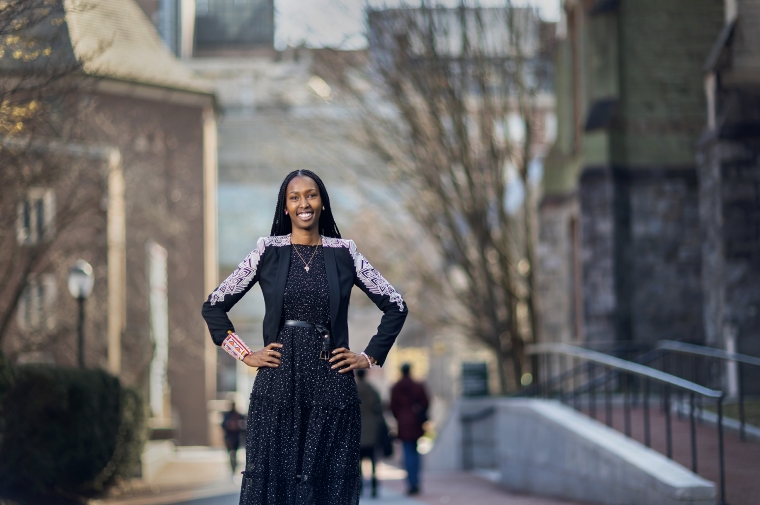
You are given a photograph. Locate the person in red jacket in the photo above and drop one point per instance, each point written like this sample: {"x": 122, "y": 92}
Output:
{"x": 409, "y": 404}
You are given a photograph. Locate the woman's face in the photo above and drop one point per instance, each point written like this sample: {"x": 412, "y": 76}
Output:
{"x": 303, "y": 203}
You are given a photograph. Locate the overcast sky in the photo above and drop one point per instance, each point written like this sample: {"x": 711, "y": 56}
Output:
{"x": 340, "y": 23}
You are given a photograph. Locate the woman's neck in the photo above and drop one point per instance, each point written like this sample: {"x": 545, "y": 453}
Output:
{"x": 305, "y": 237}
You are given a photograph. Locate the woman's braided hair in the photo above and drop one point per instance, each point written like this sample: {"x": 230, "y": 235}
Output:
{"x": 281, "y": 224}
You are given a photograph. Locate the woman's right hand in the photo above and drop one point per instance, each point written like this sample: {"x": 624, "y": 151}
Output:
{"x": 266, "y": 357}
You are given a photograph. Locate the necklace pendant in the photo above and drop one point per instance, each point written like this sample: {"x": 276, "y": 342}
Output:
{"x": 306, "y": 268}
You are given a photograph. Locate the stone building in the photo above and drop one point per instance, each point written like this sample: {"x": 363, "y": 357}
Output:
{"x": 728, "y": 160}
{"x": 620, "y": 248}
{"x": 142, "y": 130}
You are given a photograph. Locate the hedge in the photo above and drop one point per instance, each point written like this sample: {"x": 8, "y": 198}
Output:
{"x": 67, "y": 432}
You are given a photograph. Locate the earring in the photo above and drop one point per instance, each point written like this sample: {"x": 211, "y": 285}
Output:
{"x": 286, "y": 212}
{"x": 323, "y": 207}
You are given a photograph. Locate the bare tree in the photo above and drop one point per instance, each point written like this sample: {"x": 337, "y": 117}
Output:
{"x": 452, "y": 108}
{"x": 36, "y": 82}
{"x": 46, "y": 190}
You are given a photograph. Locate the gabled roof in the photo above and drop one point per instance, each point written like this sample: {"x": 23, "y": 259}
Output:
{"x": 125, "y": 46}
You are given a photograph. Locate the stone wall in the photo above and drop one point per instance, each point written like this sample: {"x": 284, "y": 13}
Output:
{"x": 597, "y": 199}
{"x": 729, "y": 175}
{"x": 641, "y": 255}
{"x": 662, "y": 256}
{"x": 555, "y": 273}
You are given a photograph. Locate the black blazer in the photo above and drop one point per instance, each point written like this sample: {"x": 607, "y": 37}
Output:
{"x": 268, "y": 265}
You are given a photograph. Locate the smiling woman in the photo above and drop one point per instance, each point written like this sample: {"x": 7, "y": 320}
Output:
{"x": 304, "y": 423}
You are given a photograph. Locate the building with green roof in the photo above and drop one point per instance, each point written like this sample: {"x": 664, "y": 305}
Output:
{"x": 620, "y": 251}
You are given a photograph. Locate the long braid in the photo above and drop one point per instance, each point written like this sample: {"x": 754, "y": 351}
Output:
{"x": 281, "y": 224}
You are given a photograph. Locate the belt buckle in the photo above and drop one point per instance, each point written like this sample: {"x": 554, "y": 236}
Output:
{"x": 324, "y": 354}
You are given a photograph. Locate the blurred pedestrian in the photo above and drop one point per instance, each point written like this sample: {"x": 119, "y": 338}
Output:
{"x": 303, "y": 431}
{"x": 372, "y": 412}
{"x": 409, "y": 404}
{"x": 233, "y": 425}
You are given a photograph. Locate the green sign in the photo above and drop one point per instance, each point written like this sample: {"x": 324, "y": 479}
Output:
{"x": 474, "y": 379}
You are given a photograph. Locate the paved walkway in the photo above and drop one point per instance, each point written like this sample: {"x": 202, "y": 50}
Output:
{"x": 462, "y": 488}
{"x": 200, "y": 476}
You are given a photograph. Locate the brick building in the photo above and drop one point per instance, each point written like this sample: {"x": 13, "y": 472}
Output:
{"x": 620, "y": 247}
{"x": 147, "y": 142}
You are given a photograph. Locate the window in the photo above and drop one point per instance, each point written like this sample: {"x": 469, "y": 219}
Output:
{"x": 36, "y": 308}
{"x": 35, "y": 216}
{"x": 231, "y": 23}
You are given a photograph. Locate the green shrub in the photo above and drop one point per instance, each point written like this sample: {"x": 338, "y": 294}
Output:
{"x": 67, "y": 432}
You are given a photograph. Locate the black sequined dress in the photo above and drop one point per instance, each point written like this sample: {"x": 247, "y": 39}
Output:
{"x": 304, "y": 422}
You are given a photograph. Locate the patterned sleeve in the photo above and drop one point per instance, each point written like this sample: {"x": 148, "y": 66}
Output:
{"x": 229, "y": 292}
{"x": 386, "y": 298}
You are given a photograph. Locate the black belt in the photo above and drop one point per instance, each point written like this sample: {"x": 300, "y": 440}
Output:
{"x": 324, "y": 354}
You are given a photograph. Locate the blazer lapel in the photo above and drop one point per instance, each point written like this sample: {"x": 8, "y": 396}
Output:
{"x": 283, "y": 265}
{"x": 333, "y": 283}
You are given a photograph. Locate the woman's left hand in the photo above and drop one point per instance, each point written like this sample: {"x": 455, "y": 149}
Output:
{"x": 342, "y": 357}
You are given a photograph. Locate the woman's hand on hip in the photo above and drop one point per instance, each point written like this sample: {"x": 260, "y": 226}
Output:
{"x": 266, "y": 357}
{"x": 346, "y": 360}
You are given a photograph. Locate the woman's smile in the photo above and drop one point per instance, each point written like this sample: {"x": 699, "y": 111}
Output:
{"x": 306, "y": 215}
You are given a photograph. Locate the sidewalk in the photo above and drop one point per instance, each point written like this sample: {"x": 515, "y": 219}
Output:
{"x": 191, "y": 473}
{"x": 201, "y": 476}
{"x": 463, "y": 488}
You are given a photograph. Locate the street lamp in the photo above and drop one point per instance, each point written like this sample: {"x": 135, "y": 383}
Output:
{"x": 80, "y": 287}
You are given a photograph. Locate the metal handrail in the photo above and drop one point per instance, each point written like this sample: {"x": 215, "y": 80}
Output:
{"x": 621, "y": 364}
{"x": 624, "y": 369}
{"x": 710, "y": 352}
{"x": 693, "y": 350}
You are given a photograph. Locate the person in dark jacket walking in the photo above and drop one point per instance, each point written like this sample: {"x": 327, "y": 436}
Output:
{"x": 372, "y": 410}
{"x": 232, "y": 424}
{"x": 409, "y": 404}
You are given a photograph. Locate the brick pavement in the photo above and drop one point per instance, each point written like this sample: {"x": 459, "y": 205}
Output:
{"x": 742, "y": 459}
